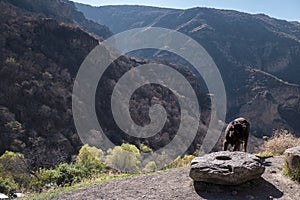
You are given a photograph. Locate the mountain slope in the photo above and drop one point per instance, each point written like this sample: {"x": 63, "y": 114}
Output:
{"x": 39, "y": 59}
{"x": 39, "y": 56}
{"x": 253, "y": 53}
{"x": 63, "y": 11}
{"x": 238, "y": 38}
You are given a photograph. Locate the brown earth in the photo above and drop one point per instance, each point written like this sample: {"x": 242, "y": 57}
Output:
{"x": 176, "y": 184}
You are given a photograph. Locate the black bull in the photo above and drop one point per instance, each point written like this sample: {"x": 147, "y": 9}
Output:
{"x": 237, "y": 133}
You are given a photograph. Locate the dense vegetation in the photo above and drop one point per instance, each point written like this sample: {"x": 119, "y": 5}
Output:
{"x": 89, "y": 164}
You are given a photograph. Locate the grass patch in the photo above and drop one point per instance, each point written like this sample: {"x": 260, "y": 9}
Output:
{"x": 266, "y": 154}
{"x": 87, "y": 183}
{"x": 294, "y": 175}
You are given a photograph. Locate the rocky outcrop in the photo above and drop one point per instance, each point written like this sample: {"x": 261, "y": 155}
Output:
{"x": 292, "y": 158}
{"x": 226, "y": 168}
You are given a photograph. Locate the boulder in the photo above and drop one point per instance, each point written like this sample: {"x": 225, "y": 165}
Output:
{"x": 292, "y": 158}
{"x": 226, "y": 168}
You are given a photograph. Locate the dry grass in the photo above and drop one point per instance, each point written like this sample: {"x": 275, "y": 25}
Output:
{"x": 280, "y": 141}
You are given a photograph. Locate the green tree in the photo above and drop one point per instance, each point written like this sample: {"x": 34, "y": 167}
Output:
{"x": 125, "y": 158}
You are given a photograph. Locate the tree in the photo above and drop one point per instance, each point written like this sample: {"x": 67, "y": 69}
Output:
{"x": 125, "y": 158}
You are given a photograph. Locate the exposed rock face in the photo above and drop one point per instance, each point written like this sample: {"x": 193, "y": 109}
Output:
{"x": 292, "y": 158}
{"x": 226, "y": 168}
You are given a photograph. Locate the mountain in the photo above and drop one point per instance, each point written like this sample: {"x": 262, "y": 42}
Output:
{"x": 258, "y": 56}
{"x": 42, "y": 49}
{"x": 63, "y": 11}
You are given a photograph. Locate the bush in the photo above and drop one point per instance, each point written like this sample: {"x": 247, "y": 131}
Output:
{"x": 294, "y": 175}
{"x": 14, "y": 166}
{"x": 10, "y": 60}
{"x": 125, "y": 158}
{"x": 150, "y": 167}
{"x": 162, "y": 160}
{"x": 145, "y": 149}
{"x": 280, "y": 141}
{"x": 68, "y": 174}
{"x": 90, "y": 159}
{"x": 182, "y": 161}
{"x": 43, "y": 177}
{"x": 7, "y": 186}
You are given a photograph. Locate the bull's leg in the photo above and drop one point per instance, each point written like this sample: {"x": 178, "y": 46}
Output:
{"x": 237, "y": 146}
{"x": 245, "y": 145}
{"x": 225, "y": 146}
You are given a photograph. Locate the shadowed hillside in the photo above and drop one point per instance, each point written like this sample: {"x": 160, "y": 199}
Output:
{"x": 40, "y": 56}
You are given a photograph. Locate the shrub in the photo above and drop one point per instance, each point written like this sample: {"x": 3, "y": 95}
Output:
{"x": 294, "y": 175}
{"x": 7, "y": 185}
{"x": 280, "y": 141}
{"x": 10, "y": 60}
{"x": 125, "y": 158}
{"x": 68, "y": 174}
{"x": 150, "y": 167}
{"x": 14, "y": 166}
{"x": 90, "y": 159}
{"x": 182, "y": 161}
{"x": 43, "y": 177}
{"x": 162, "y": 160}
{"x": 13, "y": 163}
{"x": 145, "y": 149}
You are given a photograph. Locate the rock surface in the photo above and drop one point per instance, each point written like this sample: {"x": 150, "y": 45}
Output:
{"x": 226, "y": 168}
{"x": 292, "y": 158}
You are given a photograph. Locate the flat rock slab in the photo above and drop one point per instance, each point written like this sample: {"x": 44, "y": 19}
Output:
{"x": 292, "y": 158}
{"x": 226, "y": 168}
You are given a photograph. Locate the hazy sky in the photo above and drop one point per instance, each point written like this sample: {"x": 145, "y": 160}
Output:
{"x": 281, "y": 9}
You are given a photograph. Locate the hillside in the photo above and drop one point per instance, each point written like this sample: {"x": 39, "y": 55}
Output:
{"x": 258, "y": 56}
{"x": 40, "y": 56}
{"x": 176, "y": 184}
{"x": 63, "y": 11}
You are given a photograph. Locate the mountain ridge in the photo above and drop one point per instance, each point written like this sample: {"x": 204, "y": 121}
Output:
{"x": 237, "y": 42}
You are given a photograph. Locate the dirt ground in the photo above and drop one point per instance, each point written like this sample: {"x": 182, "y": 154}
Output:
{"x": 176, "y": 184}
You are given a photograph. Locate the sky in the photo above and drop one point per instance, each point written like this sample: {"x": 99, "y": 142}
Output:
{"x": 281, "y": 9}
